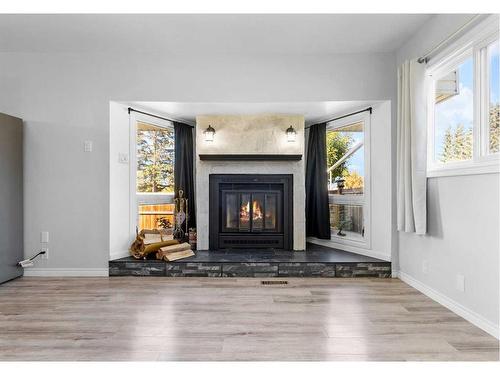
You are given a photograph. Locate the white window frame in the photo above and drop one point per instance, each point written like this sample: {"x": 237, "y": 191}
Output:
{"x": 365, "y": 200}
{"x": 470, "y": 45}
{"x": 136, "y": 198}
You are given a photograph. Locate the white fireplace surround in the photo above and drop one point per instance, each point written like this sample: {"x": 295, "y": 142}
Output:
{"x": 254, "y": 134}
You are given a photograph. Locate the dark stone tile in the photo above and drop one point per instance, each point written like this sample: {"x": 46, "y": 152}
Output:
{"x": 313, "y": 254}
{"x": 249, "y": 270}
{"x": 316, "y": 261}
{"x": 144, "y": 268}
{"x": 381, "y": 270}
{"x": 192, "y": 269}
{"x": 306, "y": 270}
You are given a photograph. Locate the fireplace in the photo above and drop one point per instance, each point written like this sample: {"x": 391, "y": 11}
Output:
{"x": 250, "y": 211}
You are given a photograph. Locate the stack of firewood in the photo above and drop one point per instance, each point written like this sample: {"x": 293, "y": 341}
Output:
{"x": 149, "y": 242}
{"x": 170, "y": 253}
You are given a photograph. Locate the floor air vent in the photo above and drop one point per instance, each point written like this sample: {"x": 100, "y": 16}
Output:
{"x": 274, "y": 282}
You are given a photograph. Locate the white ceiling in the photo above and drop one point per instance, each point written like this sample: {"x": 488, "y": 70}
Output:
{"x": 313, "y": 112}
{"x": 215, "y": 33}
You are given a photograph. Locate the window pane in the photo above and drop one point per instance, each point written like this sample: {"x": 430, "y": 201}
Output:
{"x": 346, "y": 159}
{"x": 494, "y": 89}
{"x": 155, "y": 159}
{"x": 347, "y": 219}
{"x": 454, "y": 115}
{"x": 154, "y": 216}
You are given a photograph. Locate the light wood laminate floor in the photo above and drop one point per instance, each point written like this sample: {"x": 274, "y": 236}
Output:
{"x": 133, "y": 318}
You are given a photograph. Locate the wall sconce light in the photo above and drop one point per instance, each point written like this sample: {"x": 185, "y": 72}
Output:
{"x": 291, "y": 134}
{"x": 209, "y": 134}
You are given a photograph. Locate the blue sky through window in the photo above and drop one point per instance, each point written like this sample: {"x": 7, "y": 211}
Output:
{"x": 456, "y": 110}
{"x": 494, "y": 72}
{"x": 356, "y": 162}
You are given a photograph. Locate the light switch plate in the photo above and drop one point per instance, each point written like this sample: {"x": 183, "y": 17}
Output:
{"x": 461, "y": 283}
{"x": 87, "y": 146}
{"x": 123, "y": 158}
{"x": 44, "y": 237}
{"x": 425, "y": 266}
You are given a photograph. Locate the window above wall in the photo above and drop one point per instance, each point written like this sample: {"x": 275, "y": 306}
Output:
{"x": 463, "y": 131}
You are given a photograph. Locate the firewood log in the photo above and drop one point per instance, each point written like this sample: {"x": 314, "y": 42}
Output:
{"x": 178, "y": 255}
{"x": 140, "y": 250}
{"x": 172, "y": 249}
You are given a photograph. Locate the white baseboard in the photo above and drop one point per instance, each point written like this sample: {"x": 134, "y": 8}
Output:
{"x": 351, "y": 249}
{"x": 66, "y": 272}
{"x": 454, "y": 306}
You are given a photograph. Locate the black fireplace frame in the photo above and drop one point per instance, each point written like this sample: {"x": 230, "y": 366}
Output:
{"x": 215, "y": 207}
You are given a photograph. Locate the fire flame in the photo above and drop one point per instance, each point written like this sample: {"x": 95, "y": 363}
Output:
{"x": 245, "y": 211}
{"x": 257, "y": 211}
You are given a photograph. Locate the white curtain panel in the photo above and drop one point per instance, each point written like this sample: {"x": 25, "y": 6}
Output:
{"x": 412, "y": 148}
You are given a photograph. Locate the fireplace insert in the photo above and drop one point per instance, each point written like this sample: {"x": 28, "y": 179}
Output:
{"x": 251, "y": 211}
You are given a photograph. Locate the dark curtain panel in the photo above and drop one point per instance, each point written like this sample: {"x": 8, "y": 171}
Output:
{"x": 317, "y": 209}
{"x": 184, "y": 167}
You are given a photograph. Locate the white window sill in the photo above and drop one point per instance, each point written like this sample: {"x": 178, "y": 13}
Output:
{"x": 350, "y": 240}
{"x": 155, "y": 198}
{"x": 363, "y": 250}
{"x": 349, "y": 236}
{"x": 469, "y": 169}
{"x": 155, "y": 194}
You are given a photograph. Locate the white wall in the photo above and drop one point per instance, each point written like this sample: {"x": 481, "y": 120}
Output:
{"x": 463, "y": 223}
{"x": 119, "y": 182}
{"x": 255, "y": 134}
{"x": 64, "y": 100}
{"x": 381, "y": 182}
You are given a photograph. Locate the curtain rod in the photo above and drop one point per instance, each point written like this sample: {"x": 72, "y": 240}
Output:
{"x": 130, "y": 109}
{"x": 425, "y": 58}
{"x": 369, "y": 109}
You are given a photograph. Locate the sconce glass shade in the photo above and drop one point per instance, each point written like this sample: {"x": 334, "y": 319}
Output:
{"x": 209, "y": 134}
{"x": 291, "y": 134}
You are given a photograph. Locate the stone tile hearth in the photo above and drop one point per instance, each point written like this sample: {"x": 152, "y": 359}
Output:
{"x": 316, "y": 261}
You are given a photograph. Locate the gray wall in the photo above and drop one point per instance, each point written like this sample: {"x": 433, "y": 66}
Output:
{"x": 64, "y": 100}
{"x": 463, "y": 219}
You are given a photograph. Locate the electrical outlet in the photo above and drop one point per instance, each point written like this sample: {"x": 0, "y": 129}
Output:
{"x": 87, "y": 146}
{"x": 46, "y": 255}
{"x": 460, "y": 283}
{"x": 425, "y": 266}
{"x": 44, "y": 237}
{"x": 123, "y": 158}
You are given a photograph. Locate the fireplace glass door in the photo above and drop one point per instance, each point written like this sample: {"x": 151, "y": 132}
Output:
{"x": 250, "y": 211}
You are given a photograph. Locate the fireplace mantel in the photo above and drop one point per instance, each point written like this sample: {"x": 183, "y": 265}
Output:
{"x": 251, "y": 157}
